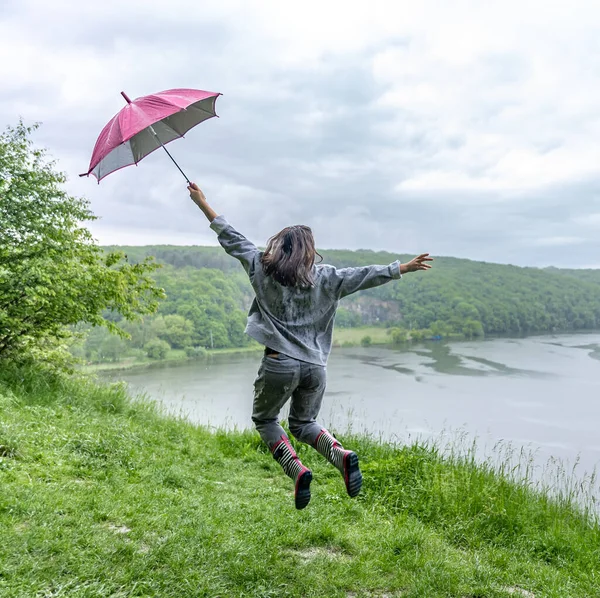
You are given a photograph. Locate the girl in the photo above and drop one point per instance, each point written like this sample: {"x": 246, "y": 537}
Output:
{"x": 292, "y": 316}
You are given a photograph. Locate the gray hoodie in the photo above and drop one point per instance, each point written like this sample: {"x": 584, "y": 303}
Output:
{"x": 297, "y": 321}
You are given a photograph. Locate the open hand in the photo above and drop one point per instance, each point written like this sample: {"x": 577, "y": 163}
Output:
{"x": 196, "y": 194}
{"x": 417, "y": 263}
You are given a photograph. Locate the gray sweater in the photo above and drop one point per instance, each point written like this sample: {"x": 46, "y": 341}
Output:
{"x": 297, "y": 321}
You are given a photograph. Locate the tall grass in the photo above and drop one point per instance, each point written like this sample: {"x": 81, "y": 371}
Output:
{"x": 499, "y": 504}
{"x": 104, "y": 496}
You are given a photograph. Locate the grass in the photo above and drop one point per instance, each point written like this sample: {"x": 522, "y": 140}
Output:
{"x": 173, "y": 355}
{"x": 103, "y": 496}
{"x": 353, "y": 336}
{"x": 135, "y": 361}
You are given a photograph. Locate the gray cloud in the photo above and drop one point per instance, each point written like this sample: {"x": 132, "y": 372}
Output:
{"x": 387, "y": 143}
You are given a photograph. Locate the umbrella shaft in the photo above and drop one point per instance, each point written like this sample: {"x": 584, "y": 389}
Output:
{"x": 169, "y": 154}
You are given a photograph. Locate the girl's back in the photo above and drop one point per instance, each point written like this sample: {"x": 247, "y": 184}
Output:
{"x": 295, "y": 304}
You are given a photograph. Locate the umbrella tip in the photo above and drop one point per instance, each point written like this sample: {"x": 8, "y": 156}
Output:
{"x": 126, "y": 97}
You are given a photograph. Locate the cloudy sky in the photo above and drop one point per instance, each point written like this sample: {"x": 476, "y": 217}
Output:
{"x": 469, "y": 129}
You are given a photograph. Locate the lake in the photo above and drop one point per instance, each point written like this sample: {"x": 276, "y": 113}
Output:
{"x": 542, "y": 393}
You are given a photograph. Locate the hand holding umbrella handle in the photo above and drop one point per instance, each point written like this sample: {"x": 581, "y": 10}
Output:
{"x": 200, "y": 200}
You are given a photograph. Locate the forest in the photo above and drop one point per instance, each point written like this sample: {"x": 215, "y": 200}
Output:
{"x": 208, "y": 294}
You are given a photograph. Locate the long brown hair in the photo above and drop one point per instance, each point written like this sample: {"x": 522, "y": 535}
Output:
{"x": 290, "y": 256}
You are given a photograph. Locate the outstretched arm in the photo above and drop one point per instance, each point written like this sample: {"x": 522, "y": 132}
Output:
{"x": 234, "y": 243}
{"x": 350, "y": 280}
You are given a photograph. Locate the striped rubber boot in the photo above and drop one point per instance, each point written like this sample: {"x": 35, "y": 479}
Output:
{"x": 345, "y": 461}
{"x": 286, "y": 456}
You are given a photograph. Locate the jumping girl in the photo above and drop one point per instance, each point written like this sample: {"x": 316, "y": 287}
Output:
{"x": 292, "y": 316}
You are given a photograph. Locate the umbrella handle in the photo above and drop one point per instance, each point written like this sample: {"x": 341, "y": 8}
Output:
{"x": 169, "y": 154}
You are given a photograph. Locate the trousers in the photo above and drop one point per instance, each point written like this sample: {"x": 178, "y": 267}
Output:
{"x": 279, "y": 379}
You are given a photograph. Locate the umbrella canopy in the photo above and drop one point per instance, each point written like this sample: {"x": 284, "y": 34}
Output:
{"x": 146, "y": 124}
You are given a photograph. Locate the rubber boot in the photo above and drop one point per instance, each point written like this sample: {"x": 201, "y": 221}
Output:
{"x": 345, "y": 461}
{"x": 286, "y": 456}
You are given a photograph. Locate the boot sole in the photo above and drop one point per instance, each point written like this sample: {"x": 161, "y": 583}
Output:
{"x": 302, "y": 495}
{"x": 352, "y": 475}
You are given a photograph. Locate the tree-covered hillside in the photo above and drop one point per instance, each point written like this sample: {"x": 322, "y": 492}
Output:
{"x": 208, "y": 295}
{"x": 503, "y": 298}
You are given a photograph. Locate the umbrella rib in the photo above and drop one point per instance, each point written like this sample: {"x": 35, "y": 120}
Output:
{"x": 195, "y": 107}
{"x": 164, "y": 122}
{"x": 205, "y": 111}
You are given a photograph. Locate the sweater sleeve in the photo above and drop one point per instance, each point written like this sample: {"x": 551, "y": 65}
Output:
{"x": 346, "y": 281}
{"x": 235, "y": 244}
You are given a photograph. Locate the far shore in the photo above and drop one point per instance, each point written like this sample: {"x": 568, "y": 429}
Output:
{"x": 343, "y": 337}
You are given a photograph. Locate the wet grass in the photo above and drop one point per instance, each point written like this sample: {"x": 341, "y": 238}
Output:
{"x": 103, "y": 496}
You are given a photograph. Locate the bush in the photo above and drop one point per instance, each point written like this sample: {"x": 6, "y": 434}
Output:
{"x": 420, "y": 335}
{"x": 365, "y": 341}
{"x": 398, "y": 335}
{"x": 157, "y": 349}
{"x": 196, "y": 352}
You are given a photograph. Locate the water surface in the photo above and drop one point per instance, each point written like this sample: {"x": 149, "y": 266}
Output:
{"x": 539, "y": 392}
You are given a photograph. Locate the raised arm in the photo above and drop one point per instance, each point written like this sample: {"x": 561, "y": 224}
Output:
{"x": 233, "y": 242}
{"x": 200, "y": 200}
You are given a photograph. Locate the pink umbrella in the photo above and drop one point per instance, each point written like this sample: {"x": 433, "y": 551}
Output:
{"x": 146, "y": 124}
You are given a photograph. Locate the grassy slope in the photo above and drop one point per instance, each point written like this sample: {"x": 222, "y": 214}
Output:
{"x": 102, "y": 497}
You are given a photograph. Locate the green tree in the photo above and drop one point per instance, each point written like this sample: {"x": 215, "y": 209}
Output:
{"x": 344, "y": 318}
{"x": 472, "y": 328}
{"x": 139, "y": 331}
{"x": 52, "y": 274}
{"x": 157, "y": 349}
{"x": 236, "y": 325}
{"x": 174, "y": 329}
{"x": 112, "y": 348}
{"x": 465, "y": 310}
{"x": 96, "y": 335}
{"x": 439, "y": 328}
